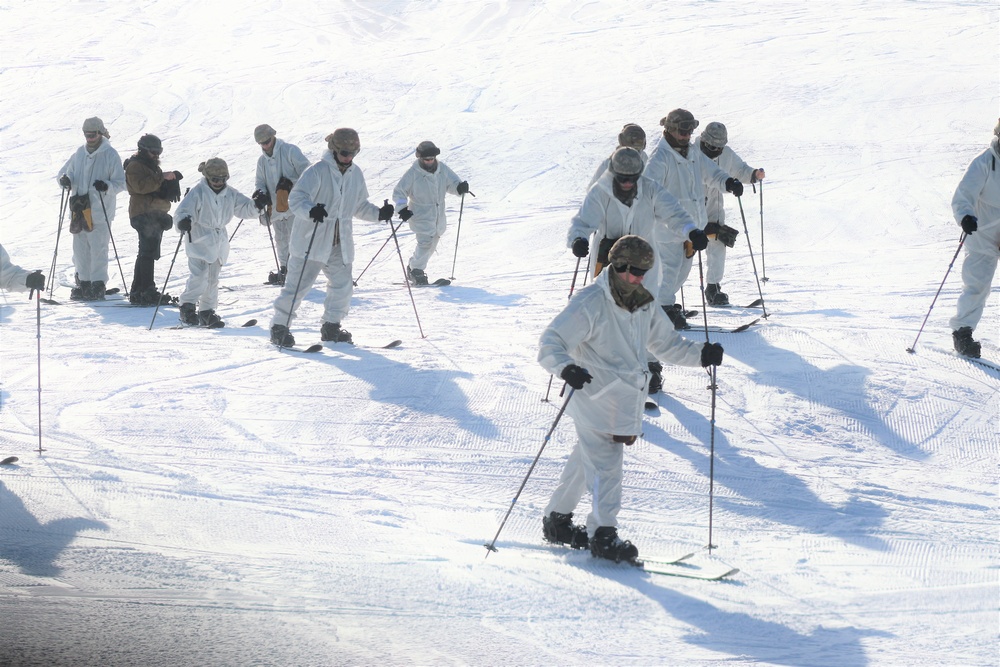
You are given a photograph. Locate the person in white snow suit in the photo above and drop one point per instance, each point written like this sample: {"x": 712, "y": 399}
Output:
{"x": 713, "y": 142}
{"x": 202, "y": 217}
{"x": 631, "y": 136}
{"x": 598, "y": 345}
{"x": 419, "y": 198}
{"x": 94, "y": 176}
{"x": 278, "y": 168}
{"x": 327, "y": 197}
{"x": 151, "y": 192}
{"x": 624, "y": 202}
{"x": 686, "y": 174}
{"x": 15, "y": 279}
{"x": 976, "y": 206}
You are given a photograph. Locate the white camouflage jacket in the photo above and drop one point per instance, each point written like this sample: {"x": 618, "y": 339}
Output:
{"x": 210, "y": 213}
{"x": 423, "y": 192}
{"x": 978, "y": 194}
{"x": 104, "y": 164}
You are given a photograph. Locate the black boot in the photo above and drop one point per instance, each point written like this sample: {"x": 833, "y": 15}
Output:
{"x": 559, "y": 529}
{"x": 281, "y": 336}
{"x": 676, "y": 315}
{"x": 97, "y": 290}
{"x": 208, "y": 318}
{"x": 331, "y": 331}
{"x": 82, "y": 292}
{"x": 417, "y": 276}
{"x": 189, "y": 314}
{"x": 714, "y": 295}
{"x": 607, "y": 544}
{"x": 964, "y": 344}
{"x": 656, "y": 379}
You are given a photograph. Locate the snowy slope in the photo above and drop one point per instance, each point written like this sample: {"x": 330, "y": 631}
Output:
{"x": 206, "y": 499}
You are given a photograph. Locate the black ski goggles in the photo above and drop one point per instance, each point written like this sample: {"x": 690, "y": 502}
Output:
{"x": 634, "y": 270}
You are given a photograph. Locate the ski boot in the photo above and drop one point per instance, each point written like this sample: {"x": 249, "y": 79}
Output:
{"x": 331, "y": 331}
{"x": 281, "y": 336}
{"x": 189, "y": 314}
{"x": 97, "y": 290}
{"x": 277, "y": 277}
{"x": 676, "y": 315}
{"x": 417, "y": 276}
{"x": 559, "y": 529}
{"x": 714, "y": 295}
{"x": 656, "y": 377}
{"x": 964, "y": 344}
{"x": 607, "y": 544}
{"x": 208, "y": 319}
{"x": 81, "y": 292}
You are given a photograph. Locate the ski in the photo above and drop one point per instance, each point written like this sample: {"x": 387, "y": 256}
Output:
{"x": 440, "y": 282}
{"x": 686, "y": 571}
{"x": 669, "y": 561}
{"x": 739, "y": 329}
{"x": 387, "y": 346}
{"x": 312, "y": 349}
{"x": 7, "y": 461}
{"x": 248, "y": 323}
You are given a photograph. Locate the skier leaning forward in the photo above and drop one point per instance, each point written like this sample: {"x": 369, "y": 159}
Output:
{"x": 325, "y": 200}
{"x": 623, "y": 202}
{"x": 202, "y": 217}
{"x": 598, "y": 344}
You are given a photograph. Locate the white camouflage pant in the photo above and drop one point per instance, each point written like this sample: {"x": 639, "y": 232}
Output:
{"x": 202, "y": 288}
{"x": 339, "y": 288}
{"x": 426, "y": 245}
{"x": 978, "y": 270}
{"x": 90, "y": 252}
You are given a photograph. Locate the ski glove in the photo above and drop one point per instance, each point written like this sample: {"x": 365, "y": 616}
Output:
{"x": 385, "y": 213}
{"x": 260, "y": 199}
{"x": 463, "y": 187}
{"x": 405, "y": 214}
{"x": 581, "y": 247}
{"x": 711, "y": 355}
{"x": 699, "y": 239}
{"x": 65, "y": 182}
{"x": 318, "y": 213}
{"x": 970, "y": 223}
{"x": 184, "y": 224}
{"x": 575, "y": 376}
{"x": 35, "y": 281}
{"x": 178, "y": 175}
{"x": 734, "y": 186}
{"x": 100, "y": 186}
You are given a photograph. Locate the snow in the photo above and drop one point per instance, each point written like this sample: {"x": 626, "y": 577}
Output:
{"x": 206, "y": 499}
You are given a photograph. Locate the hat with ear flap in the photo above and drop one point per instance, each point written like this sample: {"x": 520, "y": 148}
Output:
{"x": 679, "y": 119}
{"x": 95, "y": 124}
{"x": 344, "y": 139}
{"x": 715, "y": 134}
{"x": 626, "y": 162}
{"x": 216, "y": 167}
{"x": 631, "y": 250}
{"x": 427, "y": 149}
{"x": 263, "y": 133}
{"x": 632, "y": 136}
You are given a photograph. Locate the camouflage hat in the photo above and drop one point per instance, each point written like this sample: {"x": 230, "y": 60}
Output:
{"x": 427, "y": 149}
{"x": 631, "y": 250}
{"x": 632, "y": 136}
{"x": 626, "y": 162}
{"x": 216, "y": 167}
{"x": 151, "y": 143}
{"x": 95, "y": 124}
{"x": 263, "y": 133}
{"x": 715, "y": 134}
{"x": 344, "y": 139}
{"x": 679, "y": 119}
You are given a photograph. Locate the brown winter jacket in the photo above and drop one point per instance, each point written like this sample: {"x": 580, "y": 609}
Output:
{"x": 144, "y": 179}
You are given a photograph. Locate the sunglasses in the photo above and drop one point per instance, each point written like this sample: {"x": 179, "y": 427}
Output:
{"x": 265, "y": 143}
{"x": 91, "y": 135}
{"x": 634, "y": 270}
{"x": 217, "y": 180}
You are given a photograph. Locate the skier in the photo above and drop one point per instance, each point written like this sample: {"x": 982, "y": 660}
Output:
{"x": 15, "y": 279}
{"x": 631, "y": 136}
{"x": 598, "y": 344}
{"x": 332, "y": 188}
{"x": 713, "y": 143}
{"x": 202, "y": 218}
{"x": 278, "y": 168}
{"x": 685, "y": 173}
{"x": 151, "y": 191}
{"x": 976, "y": 206}
{"x": 95, "y": 175}
{"x": 419, "y": 198}
{"x": 624, "y": 202}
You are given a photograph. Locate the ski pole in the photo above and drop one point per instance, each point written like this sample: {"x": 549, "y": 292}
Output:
{"x": 38, "y": 335}
{"x": 461, "y": 208}
{"x": 913, "y": 348}
{"x": 233, "y": 235}
{"x": 576, "y": 272}
{"x": 298, "y": 283}
{"x": 113, "y": 246}
{"x": 492, "y": 545}
{"x": 714, "y": 388}
{"x": 384, "y": 244}
{"x": 752, "y": 261}
{"x": 406, "y": 278}
{"x": 180, "y": 239}
{"x": 63, "y": 205}
{"x": 763, "y": 271}
{"x": 277, "y": 264}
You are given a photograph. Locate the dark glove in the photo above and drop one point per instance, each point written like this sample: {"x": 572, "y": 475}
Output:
{"x": 178, "y": 175}
{"x": 575, "y": 376}
{"x": 463, "y": 187}
{"x": 65, "y": 182}
{"x": 711, "y": 355}
{"x": 35, "y": 281}
{"x": 184, "y": 224}
{"x": 405, "y": 214}
{"x": 100, "y": 186}
{"x": 385, "y": 213}
{"x": 699, "y": 239}
{"x": 581, "y": 247}
{"x": 734, "y": 186}
{"x": 318, "y": 213}
{"x": 970, "y": 223}
{"x": 260, "y": 199}
{"x": 284, "y": 184}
